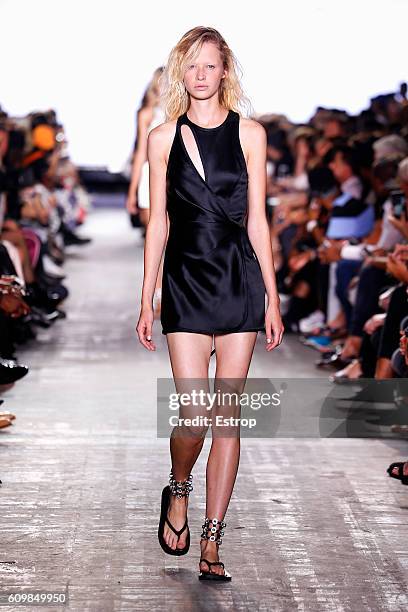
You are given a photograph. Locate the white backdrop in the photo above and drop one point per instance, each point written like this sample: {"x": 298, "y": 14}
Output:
{"x": 91, "y": 59}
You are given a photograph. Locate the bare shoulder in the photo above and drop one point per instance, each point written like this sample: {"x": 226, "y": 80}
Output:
{"x": 252, "y": 129}
{"x": 252, "y": 136}
{"x": 161, "y": 137}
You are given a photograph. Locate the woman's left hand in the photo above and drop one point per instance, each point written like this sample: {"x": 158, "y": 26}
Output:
{"x": 273, "y": 326}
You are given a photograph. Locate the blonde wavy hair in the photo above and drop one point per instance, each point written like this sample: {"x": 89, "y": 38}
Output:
{"x": 175, "y": 99}
{"x": 153, "y": 89}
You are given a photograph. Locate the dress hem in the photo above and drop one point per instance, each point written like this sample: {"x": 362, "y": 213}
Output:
{"x": 211, "y": 332}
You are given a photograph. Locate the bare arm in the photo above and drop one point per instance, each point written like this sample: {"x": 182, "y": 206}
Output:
{"x": 258, "y": 230}
{"x": 156, "y": 231}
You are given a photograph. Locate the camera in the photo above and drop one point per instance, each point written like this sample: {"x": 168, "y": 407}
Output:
{"x": 398, "y": 202}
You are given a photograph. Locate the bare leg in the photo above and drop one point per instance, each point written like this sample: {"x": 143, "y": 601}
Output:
{"x": 189, "y": 357}
{"x": 234, "y": 353}
{"x": 383, "y": 369}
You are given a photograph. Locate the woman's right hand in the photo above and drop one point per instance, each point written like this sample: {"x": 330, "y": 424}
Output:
{"x": 131, "y": 204}
{"x": 144, "y": 328}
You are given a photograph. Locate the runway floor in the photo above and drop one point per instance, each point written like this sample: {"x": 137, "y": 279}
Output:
{"x": 313, "y": 524}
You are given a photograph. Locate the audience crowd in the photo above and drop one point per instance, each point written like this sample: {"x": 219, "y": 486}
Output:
{"x": 337, "y": 202}
{"x": 41, "y": 205}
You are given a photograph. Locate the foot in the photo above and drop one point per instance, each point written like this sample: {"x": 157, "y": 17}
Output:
{"x": 352, "y": 371}
{"x": 338, "y": 321}
{"x": 209, "y": 551}
{"x": 177, "y": 514}
{"x": 351, "y": 347}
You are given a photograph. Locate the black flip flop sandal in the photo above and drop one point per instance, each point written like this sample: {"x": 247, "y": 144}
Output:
{"x": 177, "y": 552}
{"x": 179, "y": 489}
{"x": 216, "y": 529}
{"x": 400, "y": 475}
{"x": 204, "y": 575}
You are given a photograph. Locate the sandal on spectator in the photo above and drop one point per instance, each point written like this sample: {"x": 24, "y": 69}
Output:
{"x": 350, "y": 373}
{"x": 399, "y": 466}
{"x": 5, "y": 422}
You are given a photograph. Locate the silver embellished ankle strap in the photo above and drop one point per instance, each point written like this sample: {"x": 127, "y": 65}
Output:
{"x": 180, "y": 488}
{"x": 216, "y": 528}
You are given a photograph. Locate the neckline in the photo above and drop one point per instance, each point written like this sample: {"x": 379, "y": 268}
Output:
{"x": 200, "y": 127}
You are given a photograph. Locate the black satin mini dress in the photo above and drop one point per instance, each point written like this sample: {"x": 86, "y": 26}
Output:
{"x": 212, "y": 280}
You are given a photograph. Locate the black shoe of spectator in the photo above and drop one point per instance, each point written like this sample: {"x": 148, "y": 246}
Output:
{"x": 39, "y": 297}
{"x": 42, "y": 318}
{"x": 54, "y": 289}
{"x": 46, "y": 280}
{"x": 329, "y": 359}
{"x": 70, "y": 238}
{"x": 11, "y": 371}
{"x": 57, "y": 294}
